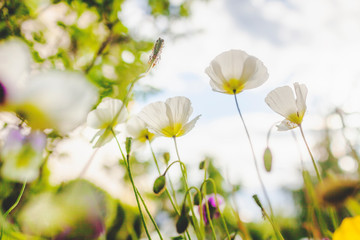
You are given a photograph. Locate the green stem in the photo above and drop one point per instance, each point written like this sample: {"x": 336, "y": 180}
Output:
{"x": 166, "y": 190}
{"x": 134, "y": 187}
{"x": 254, "y": 158}
{"x": 183, "y": 171}
{"x": 218, "y": 205}
{"x": 312, "y": 157}
{"x": 12, "y": 207}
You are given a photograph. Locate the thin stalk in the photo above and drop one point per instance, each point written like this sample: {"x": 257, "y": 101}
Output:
{"x": 208, "y": 214}
{"x": 83, "y": 171}
{"x": 12, "y": 207}
{"x": 254, "y": 158}
{"x": 218, "y": 206}
{"x": 166, "y": 190}
{"x": 183, "y": 171}
{"x": 311, "y": 156}
{"x": 134, "y": 187}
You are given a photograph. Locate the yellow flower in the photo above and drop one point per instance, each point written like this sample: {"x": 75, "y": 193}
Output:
{"x": 233, "y": 71}
{"x": 348, "y": 230}
{"x": 282, "y": 101}
{"x": 170, "y": 118}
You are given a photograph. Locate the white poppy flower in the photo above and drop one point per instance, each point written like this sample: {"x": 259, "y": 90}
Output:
{"x": 105, "y": 117}
{"x": 57, "y": 99}
{"x": 22, "y": 155}
{"x": 138, "y": 130}
{"x": 53, "y": 99}
{"x": 233, "y": 71}
{"x": 170, "y": 118}
{"x": 282, "y": 101}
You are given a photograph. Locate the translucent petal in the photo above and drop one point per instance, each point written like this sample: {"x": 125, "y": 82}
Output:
{"x": 282, "y": 101}
{"x": 232, "y": 63}
{"x": 190, "y": 125}
{"x": 255, "y": 73}
{"x": 286, "y": 125}
{"x": 178, "y": 109}
{"x": 154, "y": 115}
{"x": 301, "y": 94}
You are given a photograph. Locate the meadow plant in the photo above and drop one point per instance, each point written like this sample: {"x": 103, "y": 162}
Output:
{"x": 47, "y": 105}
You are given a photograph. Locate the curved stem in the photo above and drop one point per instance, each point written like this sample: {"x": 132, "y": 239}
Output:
{"x": 13, "y": 206}
{"x": 183, "y": 171}
{"x": 218, "y": 205}
{"x": 88, "y": 163}
{"x": 254, "y": 157}
{"x": 134, "y": 187}
{"x": 312, "y": 157}
{"x": 166, "y": 190}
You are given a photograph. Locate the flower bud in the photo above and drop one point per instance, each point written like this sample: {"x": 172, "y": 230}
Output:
{"x": 268, "y": 159}
{"x": 166, "y": 157}
{"x": 183, "y": 221}
{"x": 159, "y": 185}
{"x": 196, "y": 199}
{"x": 128, "y": 145}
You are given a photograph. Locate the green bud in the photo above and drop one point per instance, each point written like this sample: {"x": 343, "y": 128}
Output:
{"x": 159, "y": 185}
{"x": 196, "y": 199}
{"x": 128, "y": 145}
{"x": 166, "y": 157}
{"x": 267, "y": 159}
{"x": 182, "y": 223}
{"x": 202, "y": 164}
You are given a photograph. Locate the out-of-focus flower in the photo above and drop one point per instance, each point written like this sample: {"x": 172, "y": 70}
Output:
{"x": 170, "y": 118}
{"x": 22, "y": 155}
{"x": 233, "y": 71}
{"x": 348, "y": 230}
{"x": 76, "y": 212}
{"x": 139, "y": 131}
{"x": 51, "y": 99}
{"x": 15, "y": 62}
{"x": 336, "y": 191}
{"x": 213, "y": 207}
{"x": 109, "y": 113}
{"x": 282, "y": 101}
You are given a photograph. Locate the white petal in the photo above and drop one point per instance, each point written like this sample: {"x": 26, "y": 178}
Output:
{"x": 301, "y": 93}
{"x": 135, "y": 126}
{"x": 178, "y": 109}
{"x": 190, "y": 125}
{"x": 15, "y": 60}
{"x": 216, "y": 82}
{"x": 254, "y": 72}
{"x": 286, "y": 125}
{"x": 282, "y": 101}
{"x": 154, "y": 115}
{"x": 231, "y": 63}
{"x": 64, "y": 97}
{"x": 99, "y": 118}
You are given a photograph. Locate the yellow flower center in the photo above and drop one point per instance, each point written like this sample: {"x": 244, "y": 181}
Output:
{"x": 234, "y": 86}
{"x": 34, "y": 116}
{"x": 173, "y": 131}
{"x": 296, "y": 118}
{"x": 145, "y": 135}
